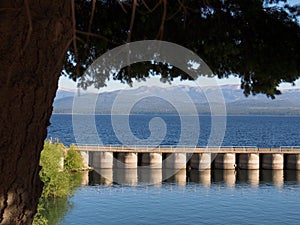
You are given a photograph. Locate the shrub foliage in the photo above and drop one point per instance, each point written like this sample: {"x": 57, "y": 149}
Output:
{"x": 57, "y": 163}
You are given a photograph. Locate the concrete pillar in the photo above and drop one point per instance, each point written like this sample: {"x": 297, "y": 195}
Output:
{"x": 152, "y": 176}
{"x": 292, "y": 162}
{"x": 201, "y": 161}
{"x": 272, "y": 161}
{"x": 225, "y": 161}
{"x": 152, "y": 160}
{"x": 85, "y": 157}
{"x": 103, "y": 160}
{"x": 203, "y": 177}
{"x": 248, "y": 161}
{"x": 175, "y": 161}
{"x": 127, "y": 160}
{"x": 95, "y": 159}
{"x": 85, "y": 178}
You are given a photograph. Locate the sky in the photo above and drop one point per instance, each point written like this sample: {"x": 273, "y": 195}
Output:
{"x": 67, "y": 83}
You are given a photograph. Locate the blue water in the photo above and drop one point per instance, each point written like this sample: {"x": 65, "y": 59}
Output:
{"x": 259, "y": 131}
{"x": 193, "y": 204}
{"x": 219, "y": 197}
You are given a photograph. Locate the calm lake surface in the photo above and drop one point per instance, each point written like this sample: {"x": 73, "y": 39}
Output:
{"x": 188, "y": 197}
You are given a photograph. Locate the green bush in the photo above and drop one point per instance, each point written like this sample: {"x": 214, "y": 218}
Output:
{"x": 55, "y": 180}
{"x": 73, "y": 161}
{"x": 59, "y": 183}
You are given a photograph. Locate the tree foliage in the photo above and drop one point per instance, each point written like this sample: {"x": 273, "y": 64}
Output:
{"x": 73, "y": 161}
{"x": 257, "y": 41}
{"x": 59, "y": 183}
{"x": 57, "y": 162}
{"x": 56, "y": 181}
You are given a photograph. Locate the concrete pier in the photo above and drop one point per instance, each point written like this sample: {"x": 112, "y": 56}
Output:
{"x": 95, "y": 159}
{"x": 248, "y": 158}
{"x": 175, "y": 161}
{"x": 127, "y": 160}
{"x": 200, "y": 161}
{"x": 292, "y": 162}
{"x": 248, "y": 161}
{"x": 85, "y": 157}
{"x": 152, "y": 160}
{"x": 85, "y": 178}
{"x": 272, "y": 161}
{"x": 102, "y": 160}
{"x": 225, "y": 161}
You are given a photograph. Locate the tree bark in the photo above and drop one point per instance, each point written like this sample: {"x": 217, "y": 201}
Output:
{"x": 34, "y": 39}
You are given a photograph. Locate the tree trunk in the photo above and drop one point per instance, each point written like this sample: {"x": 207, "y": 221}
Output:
{"x": 34, "y": 38}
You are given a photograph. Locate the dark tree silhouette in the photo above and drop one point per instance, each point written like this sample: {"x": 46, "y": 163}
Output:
{"x": 249, "y": 39}
{"x": 255, "y": 40}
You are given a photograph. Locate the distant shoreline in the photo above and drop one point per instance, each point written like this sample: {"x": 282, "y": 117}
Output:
{"x": 174, "y": 114}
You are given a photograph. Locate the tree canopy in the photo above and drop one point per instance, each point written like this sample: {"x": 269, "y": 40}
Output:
{"x": 257, "y": 41}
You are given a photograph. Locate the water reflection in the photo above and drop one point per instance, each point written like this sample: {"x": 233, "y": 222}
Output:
{"x": 227, "y": 177}
{"x": 128, "y": 176}
{"x": 202, "y": 177}
{"x": 248, "y": 177}
{"x": 101, "y": 176}
{"x": 292, "y": 176}
{"x": 274, "y": 177}
{"x": 52, "y": 210}
{"x": 152, "y": 176}
{"x": 178, "y": 177}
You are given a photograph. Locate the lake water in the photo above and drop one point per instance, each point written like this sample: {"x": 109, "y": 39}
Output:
{"x": 259, "y": 131}
{"x": 188, "y": 197}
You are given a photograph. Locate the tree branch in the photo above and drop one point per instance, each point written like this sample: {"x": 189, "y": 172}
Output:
{"x": 92, "y": 16}
{"x": 79, "y": 39}
{"x": 121, "y": 4}
{"x": 154, "y": 8}
{"x": 174, "y": 14}
{"x": 185, "y": 12}
{"x": 95, "y": 35}
{"x": 163, "y": 20}
{"x": 132, "y": 20}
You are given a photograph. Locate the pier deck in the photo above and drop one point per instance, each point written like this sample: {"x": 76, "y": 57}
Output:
{"x": 173, "y": 149}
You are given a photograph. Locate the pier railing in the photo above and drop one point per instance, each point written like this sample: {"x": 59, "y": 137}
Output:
{"x": 186, "y": 149}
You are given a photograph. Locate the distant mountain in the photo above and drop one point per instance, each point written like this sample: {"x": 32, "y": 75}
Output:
{"x": 64, "y": 93}
{"x": 175, "y": 99}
